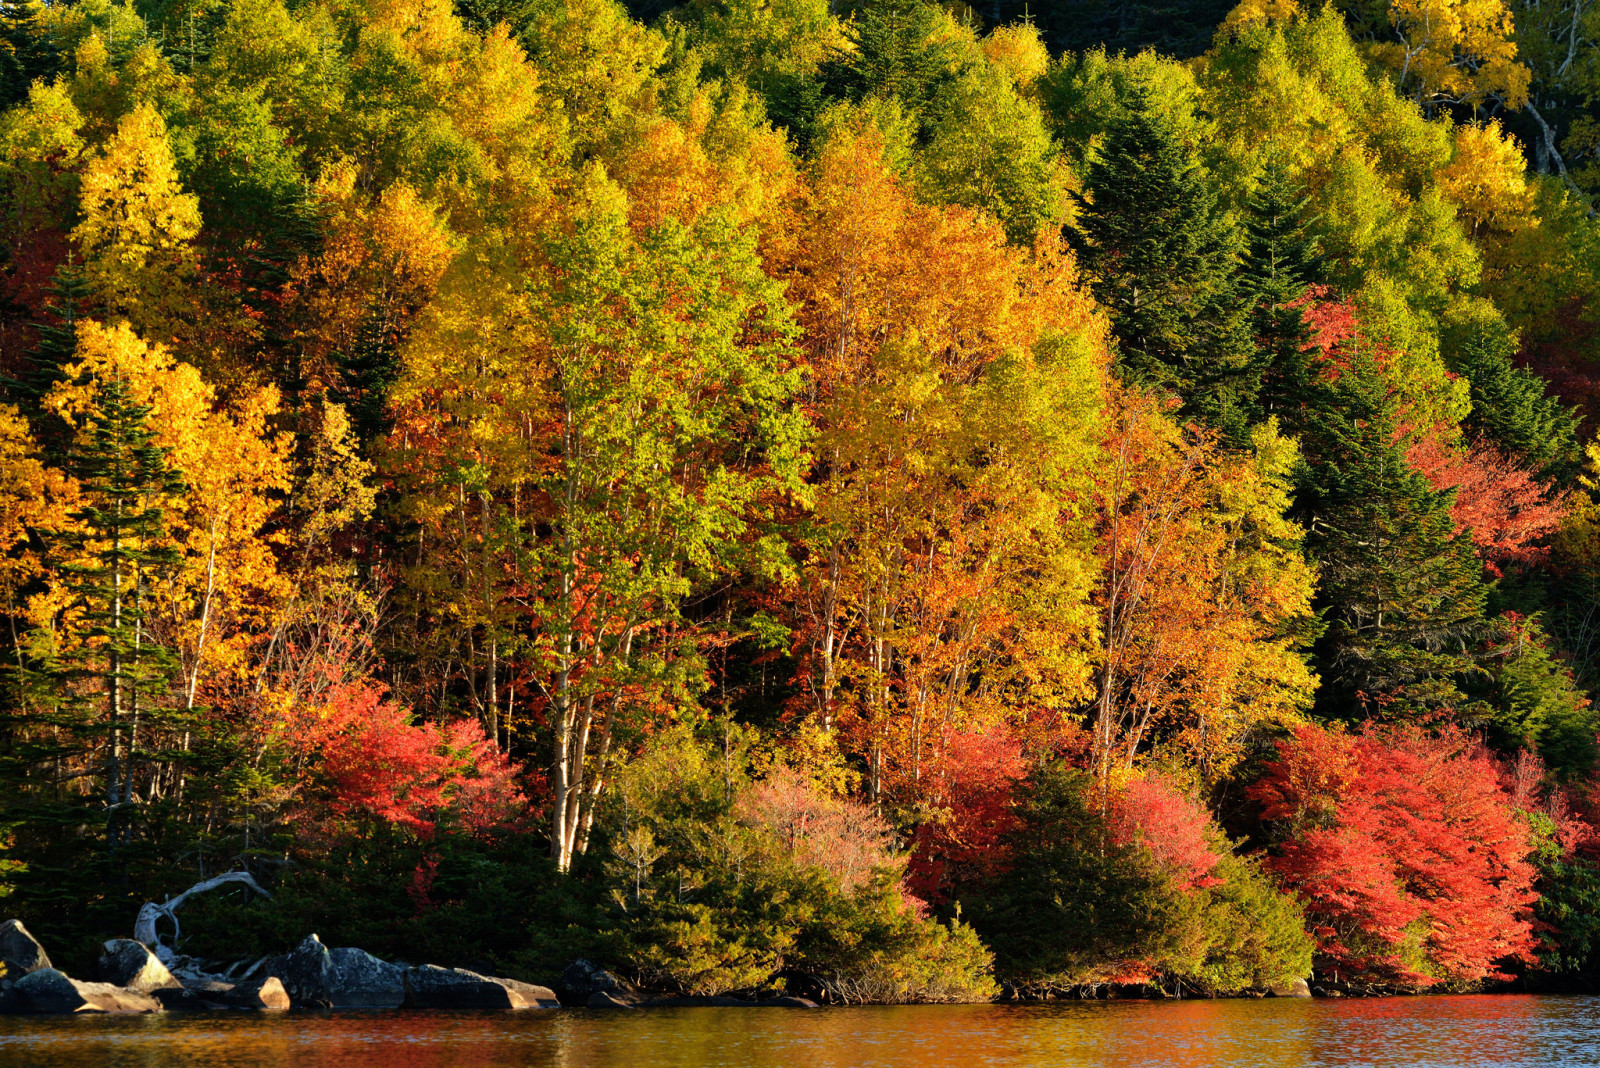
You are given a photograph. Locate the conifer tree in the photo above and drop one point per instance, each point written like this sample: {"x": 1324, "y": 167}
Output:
{"x": 112, "y": 668}
{"x": 1510, "y": 405}
{"x": 896, "y": 53}
{"x": 1400, "y": 588}
{"x": 1282, "y": 260}
{"x": 1162, "y": 259}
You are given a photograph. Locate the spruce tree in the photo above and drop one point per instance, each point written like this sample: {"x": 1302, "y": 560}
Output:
{"x": 1400, "y": 589}
{"x": 1282, "y": 261}
{"x": 1510, "y": 406}
{"x": 896, "y": 52}
{"x": 1162, "y": 258}
{"x": 103, "y": 683}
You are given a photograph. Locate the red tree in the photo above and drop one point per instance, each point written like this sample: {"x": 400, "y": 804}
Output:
{"x": 1508, "y": 510}
{"x": 1407, "y": 852}
{"x": 1151, "y": 811}
{"x": 379, "y": 764}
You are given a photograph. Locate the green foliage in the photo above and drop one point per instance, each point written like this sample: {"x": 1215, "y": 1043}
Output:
{"x": 1161, "y": 257}
{"x": 1078, "y": 908}
{"x": 1511, "y": 406}
{"x": 1537, "y": 706}
{"x": 1399, "y": 586}
{"x": 717, "y": 887}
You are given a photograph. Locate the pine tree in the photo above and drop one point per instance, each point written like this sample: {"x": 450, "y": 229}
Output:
{"x": 896, "y": 53}
{"x": 1162, "y": 259}
{"x": 1282, "y": 261}
{"x": 107, "y": 561}
{"x": 71, "y": 297}
{"x": 1400, "y": 588}
{"x": 1510, "y": 406}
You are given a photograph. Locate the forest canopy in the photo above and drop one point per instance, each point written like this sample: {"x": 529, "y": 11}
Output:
{"x": 938, "y": 498}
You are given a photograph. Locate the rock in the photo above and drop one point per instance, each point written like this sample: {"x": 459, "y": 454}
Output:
{"x": 20, "y": 952}
{"x": 345, "y": 978}
{"x": 1297, "y": 989}
{"x": 432, "y": 987}
{"x": 362, "y": 981}
{"x": 604, "y": 999}
{"x": 47, "y": 990}
{"x": 702, "y": 1001}
{"x": 126, "y": 963}
{"x": 264, "y": 993}
{"x": 584, "y": 977}
{"x": 786, "y": 1001}
{"x": 179, "y": 999}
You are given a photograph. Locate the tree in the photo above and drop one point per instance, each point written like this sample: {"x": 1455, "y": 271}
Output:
{"x": 137, "y": 228}
{"x": 1399, "y": 585}
{"x": 109, "y": 560}
{"x": 1161, "y": 257}
{"x": 1406, "y": 851}
{"x": 1511, "y": 405}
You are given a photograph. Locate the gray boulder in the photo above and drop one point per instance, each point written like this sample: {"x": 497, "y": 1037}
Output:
{"x": 126, "y": 963}
{"x": 582, "y": 978}
{"x": 20, "y": 952}
{"x": 605, "y": 999}
{"x": 432, "y": 987}
{"x": 49, "y": 991}
{"x": 263, "y": 993}
{"x": 346, "y": 978}
{"x": 1299, "y": 988}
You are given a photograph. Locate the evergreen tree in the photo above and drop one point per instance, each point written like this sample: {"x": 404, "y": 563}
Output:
{"x": 1400, "y": 589}
{"x": 27, "y": 52}
{"x": 1510, "y": 406}
{"x": 1282, "y": 260}
{"x": 896, "y": 52}
{"x": 102, "y": 681}
{"x": 1162, "y": 259}
{"x": 71, "y": 298}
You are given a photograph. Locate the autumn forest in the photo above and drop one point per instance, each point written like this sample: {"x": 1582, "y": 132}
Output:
{"x": 906, "y": 500}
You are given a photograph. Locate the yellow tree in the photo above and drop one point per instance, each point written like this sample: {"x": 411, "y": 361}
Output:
{"x": 137, "y": 228}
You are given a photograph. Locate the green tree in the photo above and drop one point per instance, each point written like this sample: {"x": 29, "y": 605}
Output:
{"x": 106, "y": 670}
{"x": 1511, "y": 405}
{"x": 1400, "y": 588}
{"x": 1282, "y": 260}
{"x": 1162, "y": 258}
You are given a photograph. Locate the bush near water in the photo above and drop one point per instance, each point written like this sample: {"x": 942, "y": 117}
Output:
{"x": 911, "y": 501}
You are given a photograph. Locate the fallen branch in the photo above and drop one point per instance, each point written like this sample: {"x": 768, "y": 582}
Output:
{"x": 144, "y": 928}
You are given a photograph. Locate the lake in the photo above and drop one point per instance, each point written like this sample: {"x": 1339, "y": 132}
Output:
{"x": 1420, "y": 1032}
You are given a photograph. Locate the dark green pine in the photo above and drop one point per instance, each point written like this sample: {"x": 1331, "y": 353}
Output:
{"x": 1282, "y": 261}
{"x": 1161, "y": 258}
{"x": 1401, "y": 591}
{"x": 1510, "y": 405}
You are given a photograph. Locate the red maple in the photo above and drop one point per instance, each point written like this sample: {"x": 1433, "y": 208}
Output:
{"x": 1406, "y": 850}
{"x": 1508, "y": 510}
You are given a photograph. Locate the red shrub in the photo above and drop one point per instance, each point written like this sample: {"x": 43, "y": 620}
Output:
{"x": 379, "y": 764}
{"x": 1406, "y": 851}
{"x": 1153, "y": 812}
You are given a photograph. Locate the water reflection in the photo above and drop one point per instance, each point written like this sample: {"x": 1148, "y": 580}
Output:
{"x": 1499, "y": 1030}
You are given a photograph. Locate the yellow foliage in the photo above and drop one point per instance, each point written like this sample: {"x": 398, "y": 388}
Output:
{"x": 235, "y": 472}
{"x": 1456, "y": 50}
{"x": 137, "y": 226}
{"x": 1018, "y": 51}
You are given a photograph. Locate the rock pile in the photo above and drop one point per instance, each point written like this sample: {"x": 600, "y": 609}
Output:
{"x": 133, "y": 979}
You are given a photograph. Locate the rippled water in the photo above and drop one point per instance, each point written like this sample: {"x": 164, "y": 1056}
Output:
{"x": 1488, "y": 1030}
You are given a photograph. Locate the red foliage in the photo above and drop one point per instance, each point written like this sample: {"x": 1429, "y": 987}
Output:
{"x": 1151, "y": 811}
{"x": 379, "y": 764}
{"x": 1506, "y": 508}
{"x": 979, "y": 771}
{"x": 1406, "y": 851}
{"x": 1333, "y": 323}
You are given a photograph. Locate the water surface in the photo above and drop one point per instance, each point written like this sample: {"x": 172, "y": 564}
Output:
{"x": 1423, "y": 1031}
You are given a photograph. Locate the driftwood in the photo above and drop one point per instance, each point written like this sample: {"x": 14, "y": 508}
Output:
{"x": 144, "y": 928}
